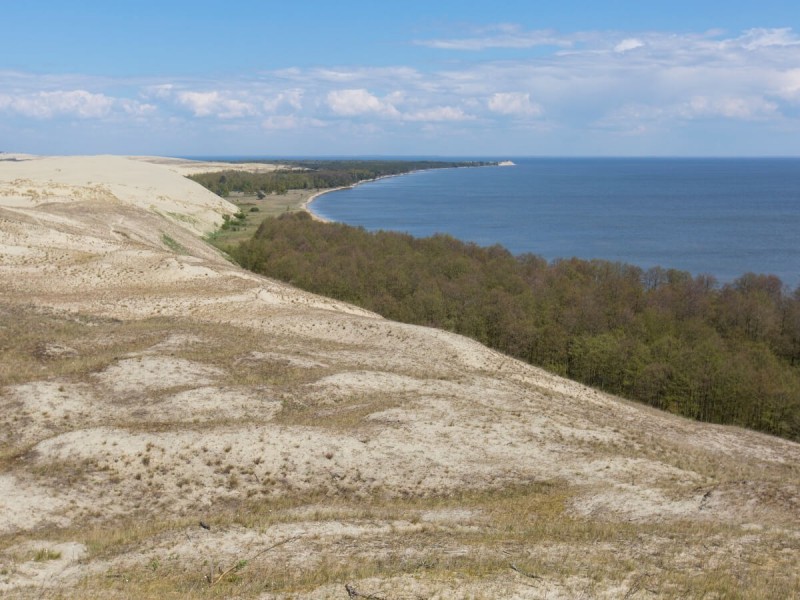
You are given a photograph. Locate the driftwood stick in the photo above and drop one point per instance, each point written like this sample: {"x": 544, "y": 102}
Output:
{"x": 521, "y": 572}
{"x": 639, "y": 584}
{"x": 353, "y": 593}
{"x": 255, "y": 556}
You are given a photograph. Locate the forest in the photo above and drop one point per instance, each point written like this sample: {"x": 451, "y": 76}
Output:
{"x": 717, "y": 353}
{"x": 315, "y": 174}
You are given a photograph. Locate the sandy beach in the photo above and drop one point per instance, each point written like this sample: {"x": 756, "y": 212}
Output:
{"x": 306, "y": 206}
{"x": 173, "y": 425}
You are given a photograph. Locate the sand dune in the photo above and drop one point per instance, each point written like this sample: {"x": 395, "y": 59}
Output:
{"x": 192, "y": 167}
{"x": 148, "y": 384}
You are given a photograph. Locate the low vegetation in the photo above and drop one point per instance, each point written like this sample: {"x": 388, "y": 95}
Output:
{"x": 310, "y": 174}
{"x": 722, "y": 354}
{"x": 409, "y": 542}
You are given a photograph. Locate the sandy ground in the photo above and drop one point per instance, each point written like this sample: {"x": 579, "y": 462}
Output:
{"x": 146, "y": 377}
{"x": 183, "y": 166}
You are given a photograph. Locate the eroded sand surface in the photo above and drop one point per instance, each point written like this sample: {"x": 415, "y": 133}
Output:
{"x": 148, "y": 384}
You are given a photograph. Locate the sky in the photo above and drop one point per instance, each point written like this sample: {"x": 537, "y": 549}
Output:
{"x": 390, "y": 78}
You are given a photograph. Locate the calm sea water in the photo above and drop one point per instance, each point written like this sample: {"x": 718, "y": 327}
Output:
{"x": 722, "y": 217}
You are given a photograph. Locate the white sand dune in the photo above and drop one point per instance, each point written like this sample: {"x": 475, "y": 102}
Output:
{"x": 184, "y": 166}
{"x": 145, "y": 375}
{"x": 31, "y": 182}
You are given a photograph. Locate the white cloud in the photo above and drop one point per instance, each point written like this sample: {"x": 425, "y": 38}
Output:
{"x": 338, "y": 75}
{"x": 628, "y": 44}
{"x": 79, "y": 104}
{"x": 350, "y": 76}
{"x": 642, "y": 118}
{"x": 788, "y": 85}
{"x": 500, "y": 36}
{"x": 137, "y": 109}
{"x": 355, "y": 102}
{"x": 278, "y": 122}
{"x": 603, "y": 81}
{"x": 215, "y": 103}
{"x": 727, "y": 107}
{"x": 437, "y": 114}
{"x": 162, "y": 90}
{"x": 754, "y": 39}
{"x": 46, "y": 105}
{"x": 514, "y": 103}
{"x": 291, "y": 98}
{"x": 360, "y": 102}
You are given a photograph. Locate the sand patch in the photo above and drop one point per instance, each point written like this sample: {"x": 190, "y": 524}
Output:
{"x": 25, "y": 505}
{"x": 42, "y": 563}
{"x": 275, "y": 357}
{"x": 212, "y": 404}
{"x": 150, "y": 373}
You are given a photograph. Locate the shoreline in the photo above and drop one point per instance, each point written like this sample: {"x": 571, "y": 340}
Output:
{"x": 306, "y": 205}
{"x": 723, "y": 272}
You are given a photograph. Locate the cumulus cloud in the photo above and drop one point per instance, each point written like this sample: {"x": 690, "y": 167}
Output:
{"x": 137, "y": 109}
{"x": 355, "y": 102}
{"x": 215, "y": 103}
{"x": 289, "y": 98}
{"x": 514, "y": 103}
{"x": 79, "y": 104}
{"x": 787, "y": 85}
{"x": 360, "y": 102}
{"x": 161, "y": 90}
{"x": 604, "y": 81}
{"x": 628, "y": 44}
{"x": 219, "y": 104}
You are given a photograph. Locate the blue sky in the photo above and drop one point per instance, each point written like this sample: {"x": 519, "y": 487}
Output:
{"x": 567, "y": 78}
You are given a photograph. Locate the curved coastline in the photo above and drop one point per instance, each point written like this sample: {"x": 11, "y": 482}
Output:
{"x": 547, "y": 229}
{"x": 306, "y": 205}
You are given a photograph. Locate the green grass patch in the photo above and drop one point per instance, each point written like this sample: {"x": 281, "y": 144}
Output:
{"x": 45, "y": 554}
{"x": 170, "y": 243}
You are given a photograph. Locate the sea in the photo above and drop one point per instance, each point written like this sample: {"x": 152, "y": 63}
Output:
{"x": 718, "y": 216}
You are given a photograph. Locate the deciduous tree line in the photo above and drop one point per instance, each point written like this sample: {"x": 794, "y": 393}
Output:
{"x": 314, "y": 175}
{"x": 723, "y": 354}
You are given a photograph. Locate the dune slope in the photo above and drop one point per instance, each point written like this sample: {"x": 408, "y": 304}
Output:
{"x": 148, "y": 385}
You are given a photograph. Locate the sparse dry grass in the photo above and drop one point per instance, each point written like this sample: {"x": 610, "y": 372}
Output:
{"x": 346, "y": 415}
{"x": 37, "y": 343}
{"x": 526, "y": 527}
